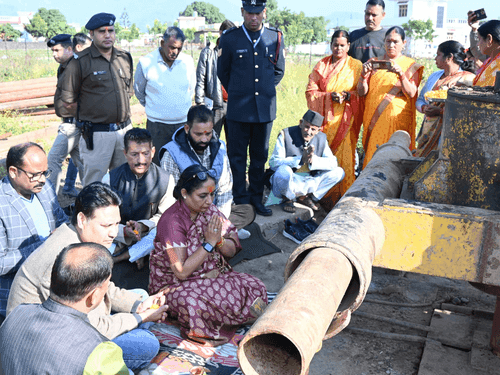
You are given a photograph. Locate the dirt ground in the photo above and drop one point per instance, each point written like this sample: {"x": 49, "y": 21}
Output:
{"x": 352, "y": 353}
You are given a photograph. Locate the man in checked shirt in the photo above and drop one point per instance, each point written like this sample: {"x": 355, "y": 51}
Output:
{"x": 196, "y": 142}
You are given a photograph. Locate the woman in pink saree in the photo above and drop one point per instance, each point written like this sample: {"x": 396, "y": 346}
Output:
{"x": 207, "y": 299}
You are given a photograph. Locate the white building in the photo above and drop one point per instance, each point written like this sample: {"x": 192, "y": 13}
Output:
{"x": 18, "y": 21}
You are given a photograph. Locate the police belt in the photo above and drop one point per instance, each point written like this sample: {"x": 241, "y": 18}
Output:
{"x": 68, "y": 120}
{"x": 89, "y": 128}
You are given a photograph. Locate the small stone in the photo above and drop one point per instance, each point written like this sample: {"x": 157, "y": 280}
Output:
{"x": 388, "y": 372}
{"x": 456, "y": 301}
{"x": 464, "y": 300}
{"x": 381, "y": 363}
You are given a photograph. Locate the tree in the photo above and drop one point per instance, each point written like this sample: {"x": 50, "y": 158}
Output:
{"x": 158, "y": 27}
{"x": 211, "y": 13}
{"x": 129, "y": 34}
{"x": 125, "y": 21}
{"x": 7, "y": 32}
{"x": 318, "y": 27}
{"x": 53, "y": 23}
{"x": 189, "y": 34}
{"x": 417, "y": 29}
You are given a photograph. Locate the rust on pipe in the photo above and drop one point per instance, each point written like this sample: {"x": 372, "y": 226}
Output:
{"x": 289, "y": 347}
{"x": 27, "y": 94}
{"x": 319, "y": 296}
{"x": 21, "y": 104}
{"x": 37, "y": 82}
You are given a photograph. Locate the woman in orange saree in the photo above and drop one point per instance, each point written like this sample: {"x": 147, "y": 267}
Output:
{"x": 391, "y": 89}
{"x": 489, "y": 44}
{"x": 331, "y": 91}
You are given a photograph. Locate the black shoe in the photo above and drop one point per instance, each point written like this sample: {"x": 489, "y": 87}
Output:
{"x": 309, "y": 225}
{"x": 294, "y": 232}
{"x": 262, "y": 210}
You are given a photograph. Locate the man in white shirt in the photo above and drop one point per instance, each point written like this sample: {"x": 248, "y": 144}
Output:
{"x": 164, "y": 83}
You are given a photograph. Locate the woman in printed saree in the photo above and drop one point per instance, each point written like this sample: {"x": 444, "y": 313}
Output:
{"x": 331, "y": 92}
{"x": 391, "y": 88}
{"x": 456, "y": 70}
{"x": 207, "y": 299}
{"x": 489, "y": 44}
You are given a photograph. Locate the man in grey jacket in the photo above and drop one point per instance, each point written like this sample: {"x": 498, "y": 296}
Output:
{"x": 208, "y": 84}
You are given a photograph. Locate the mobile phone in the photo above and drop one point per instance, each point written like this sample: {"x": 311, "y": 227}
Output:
{"x": 480, "y": 14}
{"x": 382, "y": 64}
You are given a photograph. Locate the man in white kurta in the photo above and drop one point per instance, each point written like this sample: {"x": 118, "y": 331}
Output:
{"x": 305, "y": 167}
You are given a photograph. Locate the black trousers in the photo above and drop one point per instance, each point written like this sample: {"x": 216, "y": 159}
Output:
{"x": 253, "y": 136}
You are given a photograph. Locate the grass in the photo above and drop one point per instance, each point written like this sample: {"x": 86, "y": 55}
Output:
{"x": 291, "y": 101}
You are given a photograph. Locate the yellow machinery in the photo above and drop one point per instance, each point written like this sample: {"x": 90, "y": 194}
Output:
{"x": 448, "y": 225}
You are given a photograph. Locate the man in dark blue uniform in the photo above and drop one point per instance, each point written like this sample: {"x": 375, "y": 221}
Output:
{"x": 251, "y": 63}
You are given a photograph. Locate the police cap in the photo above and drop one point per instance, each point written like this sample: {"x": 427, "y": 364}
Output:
{"x": 313, "y": 118}
{"x": 59, "y": 39}
{"x": 254, "y": 6}
{"x": 99, "y": 20}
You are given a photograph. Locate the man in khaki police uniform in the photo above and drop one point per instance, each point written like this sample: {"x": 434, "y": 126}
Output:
{"x": 97, "y": 88}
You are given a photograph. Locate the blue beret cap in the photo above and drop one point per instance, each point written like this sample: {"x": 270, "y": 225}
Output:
{"x": 254, "y": 6}
{"x": 99, "y": 20}
{"x": 58, "y": 39}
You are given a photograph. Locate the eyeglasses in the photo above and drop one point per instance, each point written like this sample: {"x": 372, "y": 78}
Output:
{"x": 36, "y": 176}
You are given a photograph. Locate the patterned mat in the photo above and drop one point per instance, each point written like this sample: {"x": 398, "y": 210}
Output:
{"x": 178, "y": 356}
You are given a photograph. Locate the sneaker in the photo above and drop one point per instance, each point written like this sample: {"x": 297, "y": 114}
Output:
{"x": 294, "y": 232}
{"x": 309, "y": 225}
{"x": 72, "y": 192}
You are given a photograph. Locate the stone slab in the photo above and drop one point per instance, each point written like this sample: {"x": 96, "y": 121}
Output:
{"x": 452, "y": 329}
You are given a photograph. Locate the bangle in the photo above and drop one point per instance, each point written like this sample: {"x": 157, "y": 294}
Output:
{"x": 221, "y": 242}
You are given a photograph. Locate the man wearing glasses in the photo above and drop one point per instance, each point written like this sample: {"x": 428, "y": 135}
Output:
{"x": 29, "y": 211}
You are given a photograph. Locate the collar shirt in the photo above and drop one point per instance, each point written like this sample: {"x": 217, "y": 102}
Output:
{"x": 101, "y": 88}
{"x": 166, "y": 92}
{"x": 224, "y": 192}
{"x": 39, "y": 216}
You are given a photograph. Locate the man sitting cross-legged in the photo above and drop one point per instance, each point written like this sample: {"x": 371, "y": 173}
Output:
{"x": 56, "y": 337}
{"x": 305, "y": 168}
{"x": 142, "y": 187}
{"x": 197, "y": 143}
{"x": 95, "y": 219}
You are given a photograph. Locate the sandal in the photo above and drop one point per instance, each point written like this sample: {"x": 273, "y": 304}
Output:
{"x": 287, "y": 205}
{"x": 307, "y": 201}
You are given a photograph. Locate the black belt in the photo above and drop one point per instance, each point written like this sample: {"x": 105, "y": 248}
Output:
{"x": 68, "y": 120}
{"x": 96, "y": 127}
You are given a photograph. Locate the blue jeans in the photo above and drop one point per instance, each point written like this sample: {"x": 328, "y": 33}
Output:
{"x": 70, "y": 176}
{"x": 139, "y": 346}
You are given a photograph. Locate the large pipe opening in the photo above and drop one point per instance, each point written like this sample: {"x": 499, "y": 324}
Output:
{"x": 271, "y": 354}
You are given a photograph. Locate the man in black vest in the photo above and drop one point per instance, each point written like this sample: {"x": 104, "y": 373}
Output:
{"x": 305, "y": 168}
{"x": 143, "y": 188}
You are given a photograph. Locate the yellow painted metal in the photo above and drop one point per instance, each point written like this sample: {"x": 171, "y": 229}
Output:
{"x": 440, "y": 240}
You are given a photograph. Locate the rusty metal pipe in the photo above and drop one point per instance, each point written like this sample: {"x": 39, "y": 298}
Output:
{"x": 288, "y": 348}
{"x": 21, "y": 104}
{"x": 6, "y": 87}
{"x": 319, "y": 296}
{"x": 28, "y": 93}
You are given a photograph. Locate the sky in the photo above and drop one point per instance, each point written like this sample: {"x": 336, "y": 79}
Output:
{"x": 143, "y": 12}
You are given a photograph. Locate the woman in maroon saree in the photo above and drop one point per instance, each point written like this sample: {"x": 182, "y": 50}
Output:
{"x": 193, "y": 242}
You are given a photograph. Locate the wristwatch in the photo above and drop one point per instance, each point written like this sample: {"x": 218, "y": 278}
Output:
{"x": 208, "y": 248}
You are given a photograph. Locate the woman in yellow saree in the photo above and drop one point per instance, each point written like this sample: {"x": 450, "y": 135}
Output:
{"x": 331, "y": 91}
{"x": 391, "y": 88}
{"x": 489, "y": 44}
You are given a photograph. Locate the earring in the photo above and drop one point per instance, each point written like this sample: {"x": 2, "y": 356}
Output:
{"x": 184, "y": 196}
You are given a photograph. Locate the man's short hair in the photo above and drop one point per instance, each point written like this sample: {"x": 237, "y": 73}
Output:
{"x": 376, "y": 2}
{"x": 80, "y": 39}
{"x": 199, "y": 113}
{"x": 137, "y": 135}
{"x": 174, "y": 32}
{"x": 226, "y": 25}
{"x": 93, "y": 196}
{"x": 15, "y": 156}
{"x": 73, "y": 277}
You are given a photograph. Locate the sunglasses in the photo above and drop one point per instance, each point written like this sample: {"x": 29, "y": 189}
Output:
{"x": 202, "y": 176}
{"x": 36, "y": 176}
